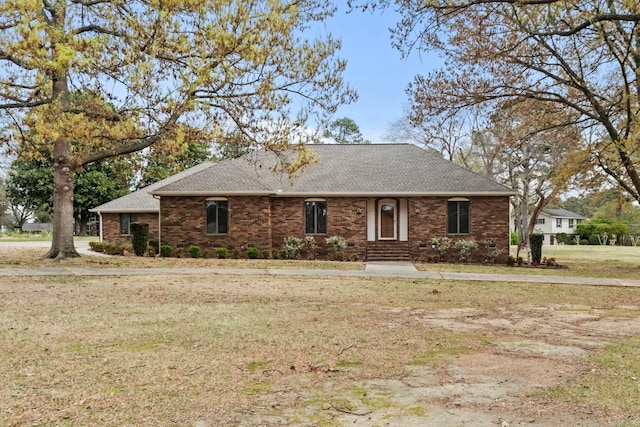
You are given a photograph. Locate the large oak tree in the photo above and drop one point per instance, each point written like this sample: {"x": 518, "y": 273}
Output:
{"x": 581, "y": 55}
{"x": 146, "y": 66}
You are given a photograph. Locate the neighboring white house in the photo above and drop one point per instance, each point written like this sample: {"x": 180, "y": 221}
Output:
{"x": 555, "y": 221}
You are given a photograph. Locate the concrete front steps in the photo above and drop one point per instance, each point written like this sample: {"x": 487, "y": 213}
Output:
{"x": 388, "y": 250}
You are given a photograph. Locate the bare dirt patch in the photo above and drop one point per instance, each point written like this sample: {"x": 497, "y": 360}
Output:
{"x": 257, "y": 350}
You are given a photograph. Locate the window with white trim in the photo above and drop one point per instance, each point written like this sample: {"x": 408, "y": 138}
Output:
{"x": 559, "y": 222}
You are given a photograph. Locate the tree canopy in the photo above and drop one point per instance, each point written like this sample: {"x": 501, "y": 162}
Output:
{"x": 144, "y": 67}
{"x": 345, "y": 131}
{"x": 583, "y": 56}
{"x": 30, "y": 183}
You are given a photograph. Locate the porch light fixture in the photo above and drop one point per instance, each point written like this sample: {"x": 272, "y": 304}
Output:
{"x": 359, "y": 211}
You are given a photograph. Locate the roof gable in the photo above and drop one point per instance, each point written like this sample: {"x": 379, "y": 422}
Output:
{"x": 142, "y": 200}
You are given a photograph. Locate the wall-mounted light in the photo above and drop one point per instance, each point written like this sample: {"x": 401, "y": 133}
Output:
{"x": 359, "y": 211}
{"x": 417, "y": 210}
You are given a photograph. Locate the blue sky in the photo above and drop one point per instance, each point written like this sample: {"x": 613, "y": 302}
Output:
{"x": 375, "y": 69}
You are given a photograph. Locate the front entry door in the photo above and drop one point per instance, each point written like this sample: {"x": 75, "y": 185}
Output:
{"x": 387, "y": 219}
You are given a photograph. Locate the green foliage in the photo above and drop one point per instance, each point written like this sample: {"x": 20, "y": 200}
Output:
{"x": 233, "y": 145}
{"x": 338, "y": 244}
{"x": 564, "y": 238}
{"x": 253, "y": 253}
{"x": 222, "y": 253}
{"x": 345, "y": 131}
{"x": 466, "y": 247}
{"x": 603, "y": 228}
{"x": 161, "y": 163}
{"x": 293, "y": 247}
{"x": 195, "y": 251}
{"x": 99, "y": 183}
{"x": 594, "y": 239}
{"x": 139, "y": 237}
{"x": 511, "y": 261}
{"x": 535, "y": 240}
{"x": 442, "y": 246}
{"x": 30, "y": 185}
{"x": 514, "y": 238}
{"x": 165, "y": 251}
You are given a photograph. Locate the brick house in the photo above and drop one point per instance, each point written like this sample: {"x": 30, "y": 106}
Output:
{"x": 387, "y": 200}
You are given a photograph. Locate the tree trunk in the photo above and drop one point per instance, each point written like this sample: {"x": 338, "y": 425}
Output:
{"x": 62, "y": 243}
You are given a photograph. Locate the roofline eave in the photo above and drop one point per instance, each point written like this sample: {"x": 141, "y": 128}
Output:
{"x": 125, "y": 210}
{"x": 338, "y": 194}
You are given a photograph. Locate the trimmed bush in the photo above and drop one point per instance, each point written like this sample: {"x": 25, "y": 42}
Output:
{"x": 222, "y": 253}
{"x": 442, "y": 245}
{"x": 292, "y": 247}
{"x": 593, "y": 239}
{"x": 165, "y": 251}
{"x": 195, "y": 251}
{"x": 139, "y": 237}
{"x": 563, "y": 238}
{"x": 466, "y": 248}
{"x": 253, "y": 253}
{"x": 536, "y": 240}
{"x": 338, "y": 244}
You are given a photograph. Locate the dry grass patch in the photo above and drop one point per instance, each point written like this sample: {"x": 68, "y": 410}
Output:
{"x": 26, "y": 258}
{"x": 257, "y": 350}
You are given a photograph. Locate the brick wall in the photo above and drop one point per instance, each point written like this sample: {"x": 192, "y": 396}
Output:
{"x": 343, "y": 220}
{"x": 489, "y": 220}
{"x": 265, "y": 222}
{"x": 184, "y": 224}
{"x": 111, "y": 226}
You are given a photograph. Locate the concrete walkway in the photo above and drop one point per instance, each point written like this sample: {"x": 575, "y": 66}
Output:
{"x": 405, "y": 270}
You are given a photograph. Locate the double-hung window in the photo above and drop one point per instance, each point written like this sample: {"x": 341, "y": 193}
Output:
{"x": 458, "y": 216}
{"x": 217, "y": 215}
{"x": 559, "y": 222}
{"x": 315, "y": 216}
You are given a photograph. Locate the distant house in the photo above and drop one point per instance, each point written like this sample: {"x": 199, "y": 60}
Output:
{"x": 552, "y": 222}
{"x": 387, "y": 200}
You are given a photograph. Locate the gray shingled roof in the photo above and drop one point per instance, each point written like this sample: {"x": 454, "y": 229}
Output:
{"x": 366, "y": 170}
{"x": 142, "y": 200}
{"x": 563, "y": 213}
